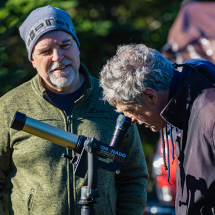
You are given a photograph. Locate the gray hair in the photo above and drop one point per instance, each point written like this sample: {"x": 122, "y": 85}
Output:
{"x": 133, "y": 68}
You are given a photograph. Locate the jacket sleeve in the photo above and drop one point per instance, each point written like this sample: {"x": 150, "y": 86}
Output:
{"x": 4, "y": 157}
{"x": 206, "y": 205}
{"x": 131, "y": 182}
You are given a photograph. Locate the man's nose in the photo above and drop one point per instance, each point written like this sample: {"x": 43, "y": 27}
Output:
{"x": 57, "y": 55}
{"x": 133, "y": 119}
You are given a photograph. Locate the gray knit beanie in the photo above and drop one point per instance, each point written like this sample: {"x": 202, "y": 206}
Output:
{"x": 42, "y": 20}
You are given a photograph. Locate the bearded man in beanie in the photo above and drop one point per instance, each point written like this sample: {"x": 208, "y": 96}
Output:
{"x": 62, "y": 94}
{"x": 144, "y": 85}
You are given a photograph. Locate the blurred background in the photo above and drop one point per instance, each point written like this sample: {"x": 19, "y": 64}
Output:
{"x": 100, "y": 26}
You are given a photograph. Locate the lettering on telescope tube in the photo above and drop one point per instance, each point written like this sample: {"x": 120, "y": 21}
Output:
{"x": 113, "y": 151}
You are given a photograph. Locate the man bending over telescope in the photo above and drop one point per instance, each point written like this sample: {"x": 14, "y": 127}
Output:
{"x": 62, "y": 94}
{"x": 144, "y": 85}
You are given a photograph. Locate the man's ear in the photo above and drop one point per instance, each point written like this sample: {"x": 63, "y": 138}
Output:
{"x": 33, "y": 61}
{"x": 150, "y": 95}
{"x": 78, "y": 50}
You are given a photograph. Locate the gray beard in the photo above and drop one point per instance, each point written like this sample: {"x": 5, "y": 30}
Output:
{"x": 63, "y": 79}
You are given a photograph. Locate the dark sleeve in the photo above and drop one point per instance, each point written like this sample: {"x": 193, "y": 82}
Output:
{"x": 131, "y": 182}
{"x": 206, "y": 206}
{"x": 4, "y": 157}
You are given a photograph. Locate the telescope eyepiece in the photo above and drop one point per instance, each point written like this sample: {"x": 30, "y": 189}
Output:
{"x": 123, "y": 122}
{"x": 122, "y": 125}
{"x": 18, "y": 121}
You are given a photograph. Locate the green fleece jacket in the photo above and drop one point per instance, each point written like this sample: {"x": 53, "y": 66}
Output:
{"x": 42, "y": 183}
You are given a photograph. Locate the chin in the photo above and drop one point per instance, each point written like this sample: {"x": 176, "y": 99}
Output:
{"x": 62, "y": 81}
{"x": 155, "y": 129}
{"x": 60, "y": 84}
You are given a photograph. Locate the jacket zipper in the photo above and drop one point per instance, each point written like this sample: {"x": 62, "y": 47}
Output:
{"x": 69, "y": 152}
{"x": 71, "y": 210}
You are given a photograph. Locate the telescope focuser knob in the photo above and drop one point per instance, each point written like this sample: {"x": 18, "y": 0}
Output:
{"x": 93, "y": 194}
{"x": 92, "y": 145}
{"x": 118, "y": 172}
{"x": 72, "y": 159}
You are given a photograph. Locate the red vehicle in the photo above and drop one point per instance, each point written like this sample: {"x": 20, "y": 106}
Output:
{"x": 165, "y": 191}
{"x": 162, "y": 200}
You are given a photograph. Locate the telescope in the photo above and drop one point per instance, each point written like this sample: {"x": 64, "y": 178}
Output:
{"x": 93, "y": 153}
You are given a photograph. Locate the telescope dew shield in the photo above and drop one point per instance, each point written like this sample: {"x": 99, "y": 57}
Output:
{"x": 122, "y": 125}
{"x": 43, "y": 130}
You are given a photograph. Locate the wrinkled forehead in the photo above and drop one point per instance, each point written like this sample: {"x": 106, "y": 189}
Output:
{"x": 56, "y": 34}
{"x": 52, "y": 37}
{"x": 120, "y": 107}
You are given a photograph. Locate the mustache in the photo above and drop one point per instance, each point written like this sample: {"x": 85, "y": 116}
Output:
{"x": 59, "y": 65}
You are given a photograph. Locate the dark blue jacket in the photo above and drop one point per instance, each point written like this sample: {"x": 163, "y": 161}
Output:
{"x": 191, "y": 109}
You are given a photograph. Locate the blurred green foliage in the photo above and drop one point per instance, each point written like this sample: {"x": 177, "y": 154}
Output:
{"x": 100, "y": 26}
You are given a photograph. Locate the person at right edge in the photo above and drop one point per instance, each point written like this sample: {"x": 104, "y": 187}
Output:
{"x": 144, "y": 85}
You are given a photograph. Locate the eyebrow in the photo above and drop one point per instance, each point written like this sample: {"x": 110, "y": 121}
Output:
{"x": 64, "y": 41}
{"x": 118, "y": 111}
{"x": 46, "y": 48}
{"x": 42, "y": 50}
{"x": 125, "y": 109}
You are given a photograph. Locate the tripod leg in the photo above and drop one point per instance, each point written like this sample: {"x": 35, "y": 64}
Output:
{"x": 87, "y": 203}
{"x": 87, "y": 210}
